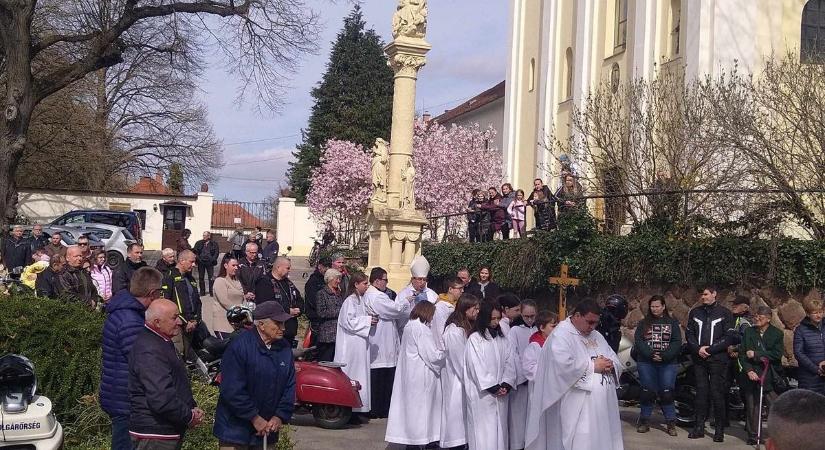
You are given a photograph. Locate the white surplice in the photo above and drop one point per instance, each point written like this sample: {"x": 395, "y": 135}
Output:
{"x": 572, "y": 407}
{"x": 452, "y": 387}
{"x": 530, "y": 360}
{"x": 415, "y": 410}
{"x": 352, "y": 345}
{"x": 384, "y": 338}
{"x": 443, "y": 310}
{"x": 519, "y": 337}
{"x": 487, "y": 363}
{"x": 408, "y": 294}
{"x": 504, "y": 324}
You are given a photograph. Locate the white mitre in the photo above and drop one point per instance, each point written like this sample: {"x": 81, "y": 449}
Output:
{"x": 420, "y": 267}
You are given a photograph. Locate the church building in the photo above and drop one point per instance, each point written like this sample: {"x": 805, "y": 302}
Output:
{"x": 560, "y": 49}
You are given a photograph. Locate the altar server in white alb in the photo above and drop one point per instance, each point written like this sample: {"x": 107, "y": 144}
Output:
{"x": 352, "y": 338}
{"x": 459, "y": 326}
{"x": 510, "y": 310}
{"x": 519, "y": 337}
{"x": 489, "y": 378}
{"x": 415, "y": 417}
{"x": 417, "y": 290}
{"x": 384, "y": 340}
{"x": 444, "y": 307}
{"x": 573, "y": 405}
{"x": 546, "y": 321}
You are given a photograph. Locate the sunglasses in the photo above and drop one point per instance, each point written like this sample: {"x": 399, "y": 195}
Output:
{"x": 82, "y": 244}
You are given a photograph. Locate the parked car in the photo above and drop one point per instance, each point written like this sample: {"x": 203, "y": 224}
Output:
{"x": 116, "y": 240}
{"x": 125, "y": 219}
{"x": 68, "y": 235}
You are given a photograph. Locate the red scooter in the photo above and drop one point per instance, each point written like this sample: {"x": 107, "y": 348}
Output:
{"x": 321, "y": 388}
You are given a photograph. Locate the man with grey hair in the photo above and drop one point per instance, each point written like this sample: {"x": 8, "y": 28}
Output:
{"x": 339, "y": 264}
{"x": 38, "y": 239}
{"x": 277, "y": 286}
{"x": 250, "y": 268}
{"x": 167, "y": 260}
{"x": 16, "y": 251}
{"x": 75, "y": 284}
{"x": 795, "y": 421}
{"x": 180, "y": 287}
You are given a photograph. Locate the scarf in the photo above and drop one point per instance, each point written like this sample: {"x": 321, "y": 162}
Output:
{"x": 538, "y": 338}
{"x": 446, "y": 299}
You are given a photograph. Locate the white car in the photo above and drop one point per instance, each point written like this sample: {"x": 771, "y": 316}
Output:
{"x": 26, "y": 418}
{"x": 116, "y": 240}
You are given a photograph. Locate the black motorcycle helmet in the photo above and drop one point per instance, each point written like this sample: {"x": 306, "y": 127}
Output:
{"x": 617, "y": 306}
{"x": 238, "y": 316}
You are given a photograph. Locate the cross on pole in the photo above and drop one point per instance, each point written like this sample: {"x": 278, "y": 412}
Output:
{"x": 563, "y": 281}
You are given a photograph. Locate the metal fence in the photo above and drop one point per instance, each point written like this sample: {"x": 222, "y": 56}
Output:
{"x": 228, "y": 215}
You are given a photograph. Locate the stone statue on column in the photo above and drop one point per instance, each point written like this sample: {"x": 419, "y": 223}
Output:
{"x": 380, "y": 161}
{"x": 408, "y": 186}
{"x": 410, "y": 19}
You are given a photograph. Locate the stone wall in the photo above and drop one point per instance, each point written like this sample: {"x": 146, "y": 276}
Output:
{"x": 787, "y": 308}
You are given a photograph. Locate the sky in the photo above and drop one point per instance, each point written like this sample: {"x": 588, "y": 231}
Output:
{"x": 469, "y": 55}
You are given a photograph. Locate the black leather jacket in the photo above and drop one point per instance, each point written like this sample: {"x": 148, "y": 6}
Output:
{"x": 710, "y": 325}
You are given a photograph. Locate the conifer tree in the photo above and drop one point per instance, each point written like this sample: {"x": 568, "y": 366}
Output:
{"x": 353, "y": 100}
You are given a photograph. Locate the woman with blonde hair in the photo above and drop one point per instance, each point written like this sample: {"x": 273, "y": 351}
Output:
{"x": 101, "y": 275}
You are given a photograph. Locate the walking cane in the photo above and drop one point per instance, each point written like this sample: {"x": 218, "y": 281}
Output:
{"x": 266, "y": 435}
{"x": 765, "y": 366}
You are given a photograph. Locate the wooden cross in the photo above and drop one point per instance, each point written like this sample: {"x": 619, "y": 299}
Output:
{"x": 563, "y": 281}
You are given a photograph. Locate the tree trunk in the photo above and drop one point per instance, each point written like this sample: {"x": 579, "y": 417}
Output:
{"x": 18, "y": 102}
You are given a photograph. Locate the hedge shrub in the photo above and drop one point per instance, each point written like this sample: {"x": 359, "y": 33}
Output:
{"x": 644, "y": 258}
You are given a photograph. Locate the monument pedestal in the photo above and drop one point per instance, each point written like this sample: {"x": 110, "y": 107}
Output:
{"x": 395, "y": 239}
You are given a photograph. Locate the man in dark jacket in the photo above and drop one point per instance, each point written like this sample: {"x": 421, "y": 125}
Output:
{"x": 134, "y": 261}
{"x": 54, "y": 247}
{"x": 708, "y": 338}
{"x": 315, "y": 283}
{"x": 75, "y": 283}
{"x": 250, "y": 268}
{"x": 260, "y": 401}
{"x": 207, "y": 251}
{"x": 124, "y": 321}
{"x": 38, "y": 239}
{"x": 16, "y": 251}
{"x": 760, "y": 340}
{"x": 167, "y": 260}
{"x": 47, "y": 284}
{"x": 271, "y": 247}
{"x": 179, "y": 286}
{"x": 161, "y": 406}
{"x": 278, "y": 287}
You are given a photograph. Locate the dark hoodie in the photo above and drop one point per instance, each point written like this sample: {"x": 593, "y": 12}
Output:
{"x": 124, "y": 320}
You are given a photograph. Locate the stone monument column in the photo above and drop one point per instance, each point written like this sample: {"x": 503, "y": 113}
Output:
{"x": 395, "y": 224}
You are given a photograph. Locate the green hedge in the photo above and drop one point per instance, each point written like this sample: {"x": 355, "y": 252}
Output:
{"x": 645, "y": 258}
{"x": 63, "y": 340}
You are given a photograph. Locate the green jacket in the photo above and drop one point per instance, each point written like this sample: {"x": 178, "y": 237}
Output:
{"x": 770, "y": 344}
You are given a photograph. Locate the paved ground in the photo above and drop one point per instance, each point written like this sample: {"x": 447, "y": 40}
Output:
{"x": 371, "y": 436}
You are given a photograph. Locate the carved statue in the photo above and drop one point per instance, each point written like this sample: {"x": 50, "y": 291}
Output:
{"x": 410, "y": 19}
{"x": 408, "y": 186}
{"x": 380, "y": 161}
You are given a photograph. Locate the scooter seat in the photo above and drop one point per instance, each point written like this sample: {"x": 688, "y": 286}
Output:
{"x": 332, "y": 364}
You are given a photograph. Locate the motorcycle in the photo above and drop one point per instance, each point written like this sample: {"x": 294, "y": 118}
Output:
{"x": 26, "y": 418}
{"x": 321, "y": 387}
{"x": 630, "y": 388}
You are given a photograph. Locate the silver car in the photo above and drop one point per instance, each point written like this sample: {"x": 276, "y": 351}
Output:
{"x": 116, "y": 240}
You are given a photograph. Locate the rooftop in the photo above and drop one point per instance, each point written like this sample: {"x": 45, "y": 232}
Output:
{"x": 485, "y": 98}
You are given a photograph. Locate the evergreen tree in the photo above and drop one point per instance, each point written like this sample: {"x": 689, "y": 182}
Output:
{"x": 353, "y": 101}
{"x": 175, "y": 181}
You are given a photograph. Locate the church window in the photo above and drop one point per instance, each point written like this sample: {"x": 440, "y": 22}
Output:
{"x": 568, "y": 84}
{"x": 620, "y": 37}
{"x": 675, "y": 27}
{"x": 812, "y": 44}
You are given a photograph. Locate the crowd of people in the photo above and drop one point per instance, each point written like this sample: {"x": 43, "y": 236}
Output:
{"x": 474, "y": 367}
{"x": 500, "y": 215}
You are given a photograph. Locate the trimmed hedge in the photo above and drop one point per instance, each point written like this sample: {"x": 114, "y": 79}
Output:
{"x": 645, "y": 258}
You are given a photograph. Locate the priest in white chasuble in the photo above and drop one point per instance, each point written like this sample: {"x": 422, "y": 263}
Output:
{"x": 573, "y": 404}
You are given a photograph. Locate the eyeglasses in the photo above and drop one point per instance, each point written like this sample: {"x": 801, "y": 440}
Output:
{"x": 82, "y": 244}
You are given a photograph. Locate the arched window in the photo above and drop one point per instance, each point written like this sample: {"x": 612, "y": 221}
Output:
{"x": 812, "y": 44}
{"x": 675, "y": 27}
{"x": 620, "y": 38}
{"x": 568, "y": 65}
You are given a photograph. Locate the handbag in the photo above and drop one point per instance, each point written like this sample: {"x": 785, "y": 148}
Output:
{"x": 780, "y": 381}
